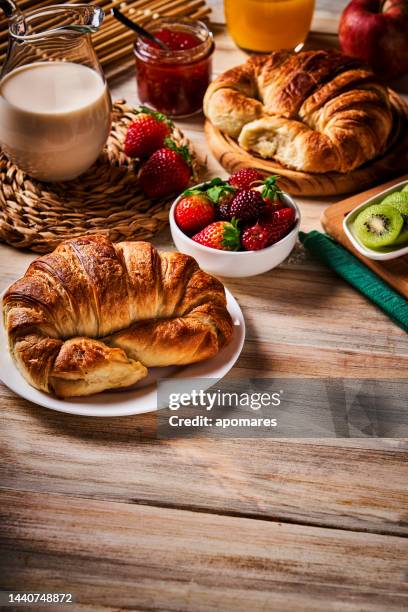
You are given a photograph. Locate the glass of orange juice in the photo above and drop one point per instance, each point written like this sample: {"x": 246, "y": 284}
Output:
{"x": 267, "y": 25}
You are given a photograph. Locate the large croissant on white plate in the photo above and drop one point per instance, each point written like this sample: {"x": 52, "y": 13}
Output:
{"x": 93, "y": 315}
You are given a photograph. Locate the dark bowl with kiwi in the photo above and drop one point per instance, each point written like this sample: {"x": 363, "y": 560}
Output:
{"x": 378, "y": 228}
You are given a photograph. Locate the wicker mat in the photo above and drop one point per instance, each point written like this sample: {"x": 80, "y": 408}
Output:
{"x": 107, "y": 199}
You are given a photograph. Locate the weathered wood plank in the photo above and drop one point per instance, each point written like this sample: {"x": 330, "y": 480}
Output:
{"x": 121, "y": 556}
{"x": 117, "y": 459}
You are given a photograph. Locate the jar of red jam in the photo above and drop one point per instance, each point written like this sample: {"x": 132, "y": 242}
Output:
{"x": 174, "y": 80}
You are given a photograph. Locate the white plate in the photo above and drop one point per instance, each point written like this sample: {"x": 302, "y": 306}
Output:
{"x": 143, "y": 396}
{"x": 348, "y": 226}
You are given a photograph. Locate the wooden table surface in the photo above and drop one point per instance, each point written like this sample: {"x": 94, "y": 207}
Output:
{"x": 101, "y": 508}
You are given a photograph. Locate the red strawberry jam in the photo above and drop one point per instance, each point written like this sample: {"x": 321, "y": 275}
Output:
{"x": 176, "y": 40}
{"x": 174, "y": 80}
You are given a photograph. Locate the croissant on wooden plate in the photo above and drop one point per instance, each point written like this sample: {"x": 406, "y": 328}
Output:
{"x": 314, "y": 111}
{"x": 93, "y": 315}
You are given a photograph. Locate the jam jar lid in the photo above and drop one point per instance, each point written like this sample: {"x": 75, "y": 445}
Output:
{"x": 145, "y": 50}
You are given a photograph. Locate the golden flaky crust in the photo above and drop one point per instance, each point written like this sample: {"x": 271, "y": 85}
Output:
{"x": 315, "y": 111}
{"x": 93, "y": 315}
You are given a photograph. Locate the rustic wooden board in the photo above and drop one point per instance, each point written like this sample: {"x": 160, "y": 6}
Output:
{"x": 176, "y": 560}
{"x": 395, "y": 271}
{"x": 305, "y": 483}
{"x": 394, "y": 161}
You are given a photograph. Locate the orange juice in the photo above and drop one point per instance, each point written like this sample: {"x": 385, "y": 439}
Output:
{"x": 267, "y": 25}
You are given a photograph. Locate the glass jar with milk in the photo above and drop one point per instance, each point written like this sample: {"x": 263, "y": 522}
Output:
{"x": 55, "y": 107}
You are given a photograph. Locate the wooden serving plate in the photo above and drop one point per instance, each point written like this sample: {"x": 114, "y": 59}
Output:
{"x": 394, "y": 161}
{"x": 393, "y": 271}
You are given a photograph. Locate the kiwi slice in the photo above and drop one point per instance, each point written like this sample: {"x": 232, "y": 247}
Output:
{"x": 399, "y": 200}
{"x": 403, "y": 236}
{"x": 378, "y": 225}
{"x": 405, "y": 190}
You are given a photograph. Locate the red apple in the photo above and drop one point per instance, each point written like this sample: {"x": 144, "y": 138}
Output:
{"x": 377, "y": 33}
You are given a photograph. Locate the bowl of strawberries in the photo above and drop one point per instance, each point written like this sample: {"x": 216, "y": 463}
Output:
{"x": 238, "y": 227}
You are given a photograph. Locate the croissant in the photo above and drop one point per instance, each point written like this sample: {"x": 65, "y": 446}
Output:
{"x": 314, "y": 111}
{"x": 93, "y": 315}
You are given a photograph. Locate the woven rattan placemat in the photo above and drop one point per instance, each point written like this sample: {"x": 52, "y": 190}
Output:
{"x": 106, "y": 199}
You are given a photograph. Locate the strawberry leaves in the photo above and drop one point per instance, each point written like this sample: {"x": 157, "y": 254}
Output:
{"x": 271, "y": 191}
{"x": 145, "y": 110}
{"x": 231, "y": 237}
{"x": 214, "y": 189}
{"x": 216, "y": 192}
{"x": 182, "y": 150}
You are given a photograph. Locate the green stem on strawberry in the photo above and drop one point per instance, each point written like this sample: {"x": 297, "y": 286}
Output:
{"x": 271, "y": 191}
{"x": 216, "y": 192}
{"x": 203, "y": 188}
{"x": 232, "y": 234}
{"x": 184, "y": 152}
{"x": 214, "y": 189}
{"x": 181, "y": 150}
{"x": 159, "y": 116}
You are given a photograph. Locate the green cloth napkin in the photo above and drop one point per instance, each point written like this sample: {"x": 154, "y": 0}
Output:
{"x": 357, "y": 274}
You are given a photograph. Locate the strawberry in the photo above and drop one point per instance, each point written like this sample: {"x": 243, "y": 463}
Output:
{"x": 262, "y": 235}
{"x": 194, "y": 212}
{"x": 220, "y": 193}
{"x": 222, "y": 235}
{"x": 246, "y": 206}
{"x": 282, "y": 223}
{"x": 167, "y": 171}
{"x": 245, "y": 178}
{"x": 271, "y": 197}
{"x": 255, "y": 237}
{"x": 146, "y": 134}
{"x": 269, "y": 210}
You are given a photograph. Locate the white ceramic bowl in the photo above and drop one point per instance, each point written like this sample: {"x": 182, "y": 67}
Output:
{"x": 236, "y": 263}
{"x": 348, "y": 225}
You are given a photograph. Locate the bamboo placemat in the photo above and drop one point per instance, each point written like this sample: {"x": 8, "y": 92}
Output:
{"x": 114, "y": 43}
{"x": 107, "y": 199}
